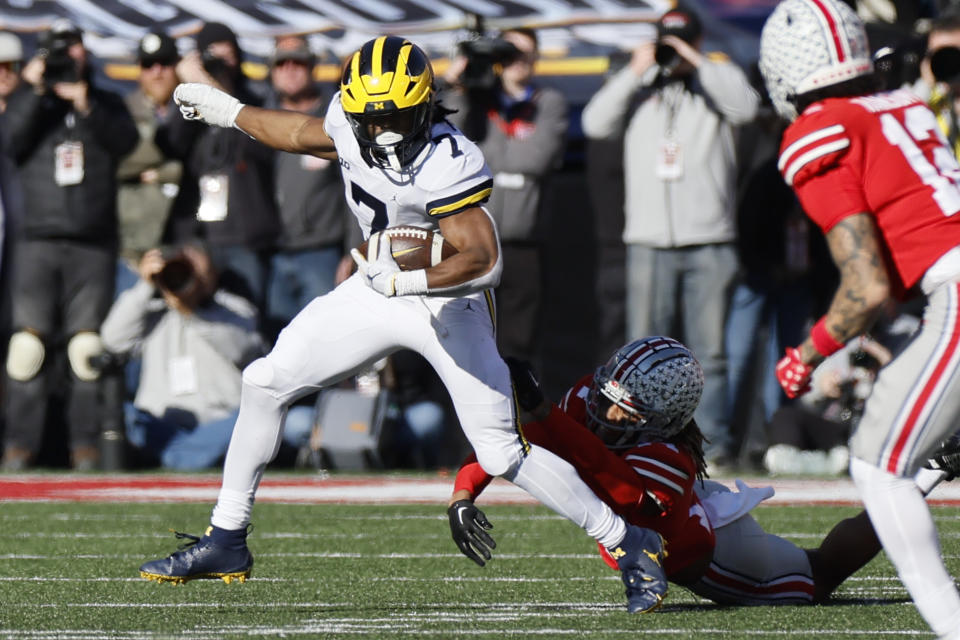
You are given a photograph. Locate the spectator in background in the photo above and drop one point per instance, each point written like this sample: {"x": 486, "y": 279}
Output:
{"x": 810, "y": 435}
{"x": 11, "y": 60}
{"x": 149, "y": 178}
{"x": 228, "y": 187}
{"x": 11, "y": 198}
{"x": 939, "y": 81}
{"x": 521, "y": 128}
{"x": 66, "y": 136}
{"x": 784, "y": 278}
{"x": 678, "y": 110}
{"x": 193, "y": 340}
{"x": 418, "y": 412}
{"x": 316, "y": 228}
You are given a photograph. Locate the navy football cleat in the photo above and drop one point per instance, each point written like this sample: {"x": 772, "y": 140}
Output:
{"x": 640, "y": 558}
{"x": 202, "y": 558}
{"x": 947, "y": 458}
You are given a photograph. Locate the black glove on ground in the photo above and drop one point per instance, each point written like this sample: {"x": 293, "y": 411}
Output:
{"x": 469, "y": 527}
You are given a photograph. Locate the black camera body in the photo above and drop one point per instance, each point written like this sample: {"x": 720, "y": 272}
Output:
{"x": 666, "y": 57}
{"x": 58, "y": 65}
{"x": 215, "y": 66}
{"x": 483, "y": 55}
{"x": 945, "y": 65}
{"x": 177, "y": 274}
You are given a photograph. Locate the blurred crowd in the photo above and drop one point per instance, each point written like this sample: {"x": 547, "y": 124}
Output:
{"x": 146, "y": 259}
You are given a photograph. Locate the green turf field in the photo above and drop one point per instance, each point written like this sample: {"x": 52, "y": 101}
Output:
{"x": 70, "y": 571}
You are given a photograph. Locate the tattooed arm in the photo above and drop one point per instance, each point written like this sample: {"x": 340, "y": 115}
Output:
{"x": 864, "y": 285}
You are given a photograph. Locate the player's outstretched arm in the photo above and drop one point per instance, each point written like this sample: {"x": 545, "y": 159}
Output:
{"x": 287, "y": 131}
{"x": 283, "y": 130}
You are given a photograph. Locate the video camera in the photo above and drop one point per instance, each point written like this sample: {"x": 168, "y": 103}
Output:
{"x": 483, "y": 54}
{"x": 54, "y": 48}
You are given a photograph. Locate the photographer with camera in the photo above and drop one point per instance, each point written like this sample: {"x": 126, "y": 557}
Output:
{"x": 66, "y": 136}
{"x": 939, "y": 81}
{"x": 193, "y": 340}
{"x": 149, "y": 178}
{"x": 521, "y": 129}
{"x": 678, "y": 110}
{"x": 227, "y": 191}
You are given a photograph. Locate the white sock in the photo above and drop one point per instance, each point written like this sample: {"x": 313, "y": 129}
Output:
{"x": 255, "y": 441}
{"x": 555, "y": 483}
{"x": 906, "y": 529}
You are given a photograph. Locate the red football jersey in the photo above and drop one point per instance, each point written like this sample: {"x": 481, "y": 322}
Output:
{"x": 637, "y": 484}
{"x": 885, "y": 155}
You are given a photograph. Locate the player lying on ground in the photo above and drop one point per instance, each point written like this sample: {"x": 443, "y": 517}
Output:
{"x": 402, "y": 164}
{"x": 641, "y": 404}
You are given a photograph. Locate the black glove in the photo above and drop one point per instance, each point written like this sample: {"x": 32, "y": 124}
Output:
{"x": 529, "y": 393}
{"x": 469, "y": 527}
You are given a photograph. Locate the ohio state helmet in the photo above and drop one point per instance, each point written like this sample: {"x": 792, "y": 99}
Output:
{"x": 811, "y": 44}
{"x": 657, "y": 383}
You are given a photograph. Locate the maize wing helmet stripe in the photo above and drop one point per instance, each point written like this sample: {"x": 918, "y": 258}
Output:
{"x": 386, "y": 74}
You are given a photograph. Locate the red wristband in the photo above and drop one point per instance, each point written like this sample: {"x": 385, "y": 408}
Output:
{"x": 823, "y": 342}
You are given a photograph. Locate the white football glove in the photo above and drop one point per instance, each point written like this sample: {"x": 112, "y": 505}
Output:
{"x": 199, "y": 101}
{"x": 384, "y": 276}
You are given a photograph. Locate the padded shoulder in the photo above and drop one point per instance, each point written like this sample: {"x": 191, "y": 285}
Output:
{"x": 816, "y": 141}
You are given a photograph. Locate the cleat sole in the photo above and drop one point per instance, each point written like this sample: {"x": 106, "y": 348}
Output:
{"x": 240, "y": 577}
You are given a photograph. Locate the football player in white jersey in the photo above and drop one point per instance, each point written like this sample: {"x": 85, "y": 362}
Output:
{"x": 403, "y": 164}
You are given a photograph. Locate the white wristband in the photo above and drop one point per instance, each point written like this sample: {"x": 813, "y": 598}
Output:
{"x": 410, "y": 283}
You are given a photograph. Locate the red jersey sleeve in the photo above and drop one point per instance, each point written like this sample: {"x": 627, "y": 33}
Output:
{"x": 471, "y": 477}
{"x": 812, "y": 162}
{"x": 883, "y": 155}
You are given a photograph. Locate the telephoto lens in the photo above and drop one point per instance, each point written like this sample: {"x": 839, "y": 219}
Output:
{"x": 666, "y": 57}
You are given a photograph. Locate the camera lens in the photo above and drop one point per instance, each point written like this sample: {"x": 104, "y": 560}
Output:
{"x": 666, "y": 56}
{"x": 176, "y": 275}
{"x": 945, "y": 64}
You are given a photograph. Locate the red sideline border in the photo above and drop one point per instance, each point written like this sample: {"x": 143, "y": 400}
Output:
{"x": 361, "y": 489}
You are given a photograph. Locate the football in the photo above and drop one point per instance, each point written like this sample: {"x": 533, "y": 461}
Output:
{"x": 413, "y": 248}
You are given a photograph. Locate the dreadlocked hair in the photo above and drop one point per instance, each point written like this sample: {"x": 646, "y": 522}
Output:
{"x": 692, "y": 439}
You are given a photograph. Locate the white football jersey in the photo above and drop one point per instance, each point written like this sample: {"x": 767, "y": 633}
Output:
{"x": 450, "y": 175}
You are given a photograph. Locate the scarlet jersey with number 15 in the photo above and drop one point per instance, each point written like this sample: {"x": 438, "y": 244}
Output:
{"x": 884, "y": 155}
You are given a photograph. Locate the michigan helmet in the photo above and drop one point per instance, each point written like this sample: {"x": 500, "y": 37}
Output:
{"x": 387, "y": 95}
{"x": 656, "y": 382}
{"x": 810, "y": 44}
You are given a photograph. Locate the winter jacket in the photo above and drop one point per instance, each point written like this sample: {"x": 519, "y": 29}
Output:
{"x": 702, "y": 112}
{"x": 38, "y": 125}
